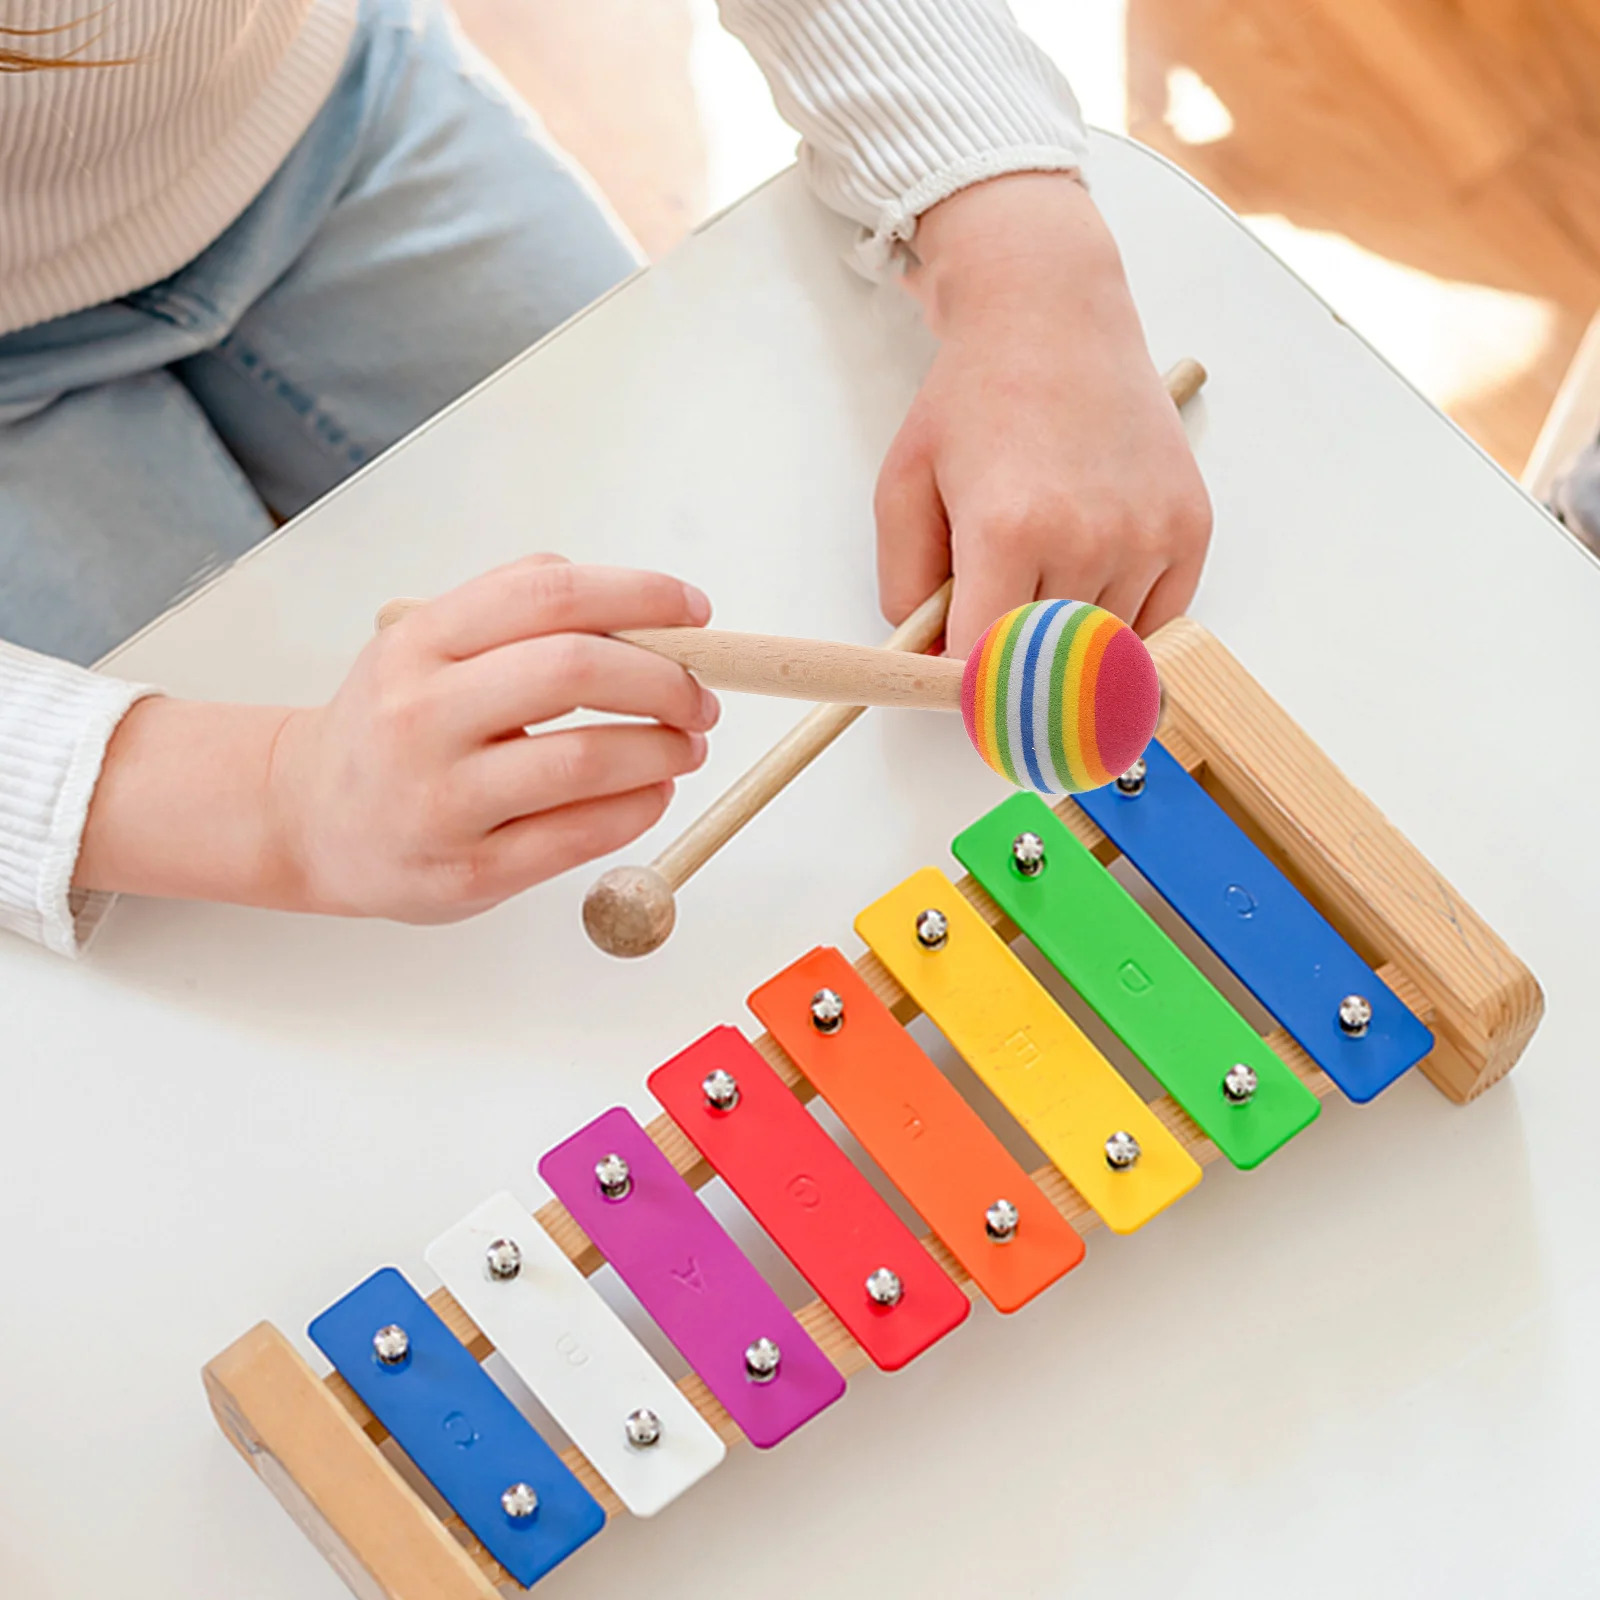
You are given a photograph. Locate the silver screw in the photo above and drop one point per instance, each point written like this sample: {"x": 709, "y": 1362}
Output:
{"x": 933, "y": 929}
{"x": 614, "y": 1176}
{"x": 1122, "y": 1150}
{"x": 1240, "y": 1083}
{"x": 1355, "y": 1015}
{"x": 391, "y": 1344}
{"x": 519, "y": 1502}
{"x": 503, "y": 1260}
{"x": 1131, "y": 782}
{"x": 827, "y": 1011}
{"x": 885, "y": 1287}
{"x": 721, "y": 1089}
{"x": 643, "y": 1428}
{"x": 761, "y": 1359}
{"x": 1027, "y": 850}
{"x": 1000, "y": 1221}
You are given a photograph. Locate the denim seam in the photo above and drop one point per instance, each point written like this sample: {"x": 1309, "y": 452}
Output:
{"x": 316, "y": 421}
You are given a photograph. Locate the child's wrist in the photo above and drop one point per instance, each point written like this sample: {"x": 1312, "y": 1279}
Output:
{"x": 1019, "y": 242}
{"x": 185, "y": 808}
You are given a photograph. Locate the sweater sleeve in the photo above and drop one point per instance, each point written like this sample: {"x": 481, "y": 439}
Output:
{"x": 900, "y": 103}
{"x": 55, "y": 723}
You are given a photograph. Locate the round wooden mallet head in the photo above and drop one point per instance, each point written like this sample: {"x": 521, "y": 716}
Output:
{"x": 629, "y": 911}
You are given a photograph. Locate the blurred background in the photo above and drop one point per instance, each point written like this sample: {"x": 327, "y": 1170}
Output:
{"x": 1431, "y": 167}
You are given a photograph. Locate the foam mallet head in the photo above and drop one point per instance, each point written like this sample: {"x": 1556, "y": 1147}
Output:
{"x": 1060, "y": 696}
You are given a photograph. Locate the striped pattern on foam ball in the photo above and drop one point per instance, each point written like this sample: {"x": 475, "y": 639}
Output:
{"x": 1060, "y": 696}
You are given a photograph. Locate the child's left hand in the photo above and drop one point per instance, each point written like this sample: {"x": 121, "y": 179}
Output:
{"x": 1042, "y": 456}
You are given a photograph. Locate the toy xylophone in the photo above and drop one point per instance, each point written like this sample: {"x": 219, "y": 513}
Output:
{"x": 1368, "y": 962}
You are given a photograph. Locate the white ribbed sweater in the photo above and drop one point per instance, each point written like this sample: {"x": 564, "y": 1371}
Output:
{"x": 111, "y": 179}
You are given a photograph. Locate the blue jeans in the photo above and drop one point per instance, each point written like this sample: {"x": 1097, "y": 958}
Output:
{"x": 421, "y": 234}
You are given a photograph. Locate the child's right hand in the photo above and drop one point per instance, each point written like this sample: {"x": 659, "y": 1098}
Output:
{"x": 415, "y": 794}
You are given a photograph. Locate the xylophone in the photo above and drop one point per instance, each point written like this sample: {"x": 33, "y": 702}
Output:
{"x": 1368, "y": 962}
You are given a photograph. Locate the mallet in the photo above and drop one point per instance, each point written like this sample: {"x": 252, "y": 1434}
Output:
{"x": 1058, "y": 695}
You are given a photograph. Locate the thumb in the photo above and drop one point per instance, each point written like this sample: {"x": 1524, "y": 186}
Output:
{"x": 913, "y": 533}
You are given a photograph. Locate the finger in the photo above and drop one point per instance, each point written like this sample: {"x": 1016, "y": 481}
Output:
{"x": 1173, "y": 591}
{"x": 997, "y": 580}
{"x": 536, "y": 679}
{"x": 544, "y": 594}
{"x": 531, "y": 849}
{"x": 522, "y": 777}
{"x": 1125, "y": 594}
{"x": 913, "y": 534}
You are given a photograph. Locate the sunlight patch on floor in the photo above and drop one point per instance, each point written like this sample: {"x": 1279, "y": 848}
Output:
{"x": 1451, "y": 340}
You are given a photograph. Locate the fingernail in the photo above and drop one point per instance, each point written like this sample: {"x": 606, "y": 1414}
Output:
{"x": 699, "y": 605}
{"x": 697, "y": 750}
{"x": 710, "y": 707}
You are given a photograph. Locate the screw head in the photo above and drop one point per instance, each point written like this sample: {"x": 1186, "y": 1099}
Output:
{"x": 613, "y": 1175}
{"x": 1122, "y": 1150}
{"x": 1000, "y": 1221}
{"x": 1240, "y": 1083}
{"x": 933, "y": 929}
{"x": 519, "y": 1502}
{"x": 503, "y": 1260}
{"x": 1027, "y": 851}
{"x": 884, "y": 1287}
{"x": 761, "y": 1357}
{"x": 391, "y": 1344}
{"x": 827, "y": 1011}
{"x": 721, "y": 1089}
{"x": 643, "y": 1428}
{"x": 1131, "y": 782}
{"x": 1355, "y": 1015}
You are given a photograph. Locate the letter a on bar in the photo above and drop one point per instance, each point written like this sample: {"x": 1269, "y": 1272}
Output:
{"x": 1035, "y": 1059}
{"x": 576, "y": 1355}
{"x": 866, "y": 1264}
{"x": 935, "y": 1149}
{"x": 1145, "y": 989}
{"x": 467, "y": 1439}
{"x": 725, "y": 1318}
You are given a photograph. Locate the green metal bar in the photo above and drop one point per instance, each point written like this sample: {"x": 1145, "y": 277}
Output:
{"x": 1162, "y": 1007}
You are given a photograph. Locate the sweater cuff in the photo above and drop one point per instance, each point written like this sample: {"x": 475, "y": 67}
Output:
{"x": 878, "y": 252}
{"x": 55, "y": 723}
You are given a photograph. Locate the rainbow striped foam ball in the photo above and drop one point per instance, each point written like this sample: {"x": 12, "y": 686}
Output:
{"x": 1060, "y": 696}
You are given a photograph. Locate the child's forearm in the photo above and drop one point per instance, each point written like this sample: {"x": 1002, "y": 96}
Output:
{"x": 184, "y": 808}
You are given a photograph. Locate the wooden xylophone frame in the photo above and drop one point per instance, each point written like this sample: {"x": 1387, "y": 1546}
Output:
{"x": 319, "y": 1448}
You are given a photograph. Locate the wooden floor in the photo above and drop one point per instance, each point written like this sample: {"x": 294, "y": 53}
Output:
{"x": 1459, "y": 137}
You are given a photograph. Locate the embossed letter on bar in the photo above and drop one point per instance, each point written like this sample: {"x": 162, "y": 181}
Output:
{"x": 864, "y": 1262}
{"x": 723, "y": 1316}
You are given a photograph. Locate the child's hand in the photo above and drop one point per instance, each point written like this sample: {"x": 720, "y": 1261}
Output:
{"x": 415, "y": 793}
{"x": 1042, "y": 456}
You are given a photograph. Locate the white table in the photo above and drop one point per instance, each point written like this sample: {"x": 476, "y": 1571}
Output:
{"x": 1367, "y": 1368}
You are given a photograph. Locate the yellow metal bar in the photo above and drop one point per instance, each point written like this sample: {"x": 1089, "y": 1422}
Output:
{"x": 1031, "y": 1054}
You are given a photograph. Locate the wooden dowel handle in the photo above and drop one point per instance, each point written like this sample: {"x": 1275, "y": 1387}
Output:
{"x": 813, "y": 670}
{"x": 807, "y": 669}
